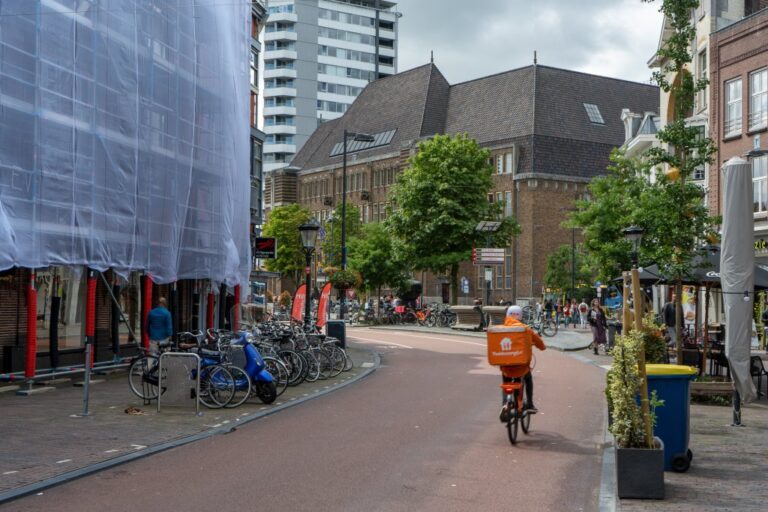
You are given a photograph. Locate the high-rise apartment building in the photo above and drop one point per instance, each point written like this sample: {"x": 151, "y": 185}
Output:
{"x": 318, "y": 56}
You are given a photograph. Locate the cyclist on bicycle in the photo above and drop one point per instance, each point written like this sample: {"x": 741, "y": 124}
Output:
{"x": 514, "y": 319}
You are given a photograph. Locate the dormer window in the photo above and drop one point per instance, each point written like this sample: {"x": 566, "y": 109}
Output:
{"x": 594, "y": 113}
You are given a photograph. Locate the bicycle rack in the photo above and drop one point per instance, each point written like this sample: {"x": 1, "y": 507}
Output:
{"x": 175, "y": 373}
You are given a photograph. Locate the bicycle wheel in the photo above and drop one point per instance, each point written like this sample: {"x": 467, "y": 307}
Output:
{"x": 525, "y": 421}
{"x": 325, "y": 365}
{"x": 312, "y": 366}
{"x": 338, "y": 359}
{"x": 295, "y": 364}
{"x": 512, "y": 420}
{"x": 243, "y": 386}
{"x": 548, "y": 328}
{"x": 279, "y": 373}
{"x": 217, "y": 386}
{"x": 348, "y": 363}
{"x": 143, "y": 377}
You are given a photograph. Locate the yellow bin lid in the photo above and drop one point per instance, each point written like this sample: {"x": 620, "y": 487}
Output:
{"x": 670, "y": 369}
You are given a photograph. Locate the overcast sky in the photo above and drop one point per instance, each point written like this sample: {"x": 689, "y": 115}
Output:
{"x": 477, "y": 38}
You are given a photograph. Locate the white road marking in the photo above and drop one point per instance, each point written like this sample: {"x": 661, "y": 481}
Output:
{"x": 138, "y": 446}
{"x": 400, "y": 333}
{"x": 63, "y": 461}
{"x": 386, "y": 343}
{"x": 10, "y": 472}
{"x": 366, "y": 365}
{"x": 110, "y": 451}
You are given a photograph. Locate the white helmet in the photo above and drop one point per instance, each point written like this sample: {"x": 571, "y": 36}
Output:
{"x": 515, "y": 311}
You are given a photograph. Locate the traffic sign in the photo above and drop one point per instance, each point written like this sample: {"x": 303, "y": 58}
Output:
{"x": 464, "y": 285}
{"x": 489, "y": 256}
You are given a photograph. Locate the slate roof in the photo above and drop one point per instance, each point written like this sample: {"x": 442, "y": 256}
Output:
{"x": 533, "y": 100}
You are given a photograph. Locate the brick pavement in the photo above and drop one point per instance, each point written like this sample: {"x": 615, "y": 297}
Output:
{"x": 43, "y": 436}
{"x": 727, "y": 471}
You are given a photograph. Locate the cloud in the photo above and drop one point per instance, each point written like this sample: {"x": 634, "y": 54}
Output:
{"x": 607, "y": 37}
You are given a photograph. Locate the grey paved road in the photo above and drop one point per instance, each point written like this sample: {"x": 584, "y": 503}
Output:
{"x": 422, "y": 433}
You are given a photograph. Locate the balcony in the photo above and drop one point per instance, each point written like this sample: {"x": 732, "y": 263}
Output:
{"x": 283, "y": 16}
{"x": 279, "y": 111}
{"x": 281, "y": 54}
{"x": 280, "y": 148}
{"x": 280, "y": 35}
{"x": 387, "y": 52}
{"x": 279, "y": 73}
{"x": 280, "y": 129}
{"x": 273, "y": 92}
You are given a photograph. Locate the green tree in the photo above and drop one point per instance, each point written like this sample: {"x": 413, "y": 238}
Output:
{"x": 283, "y": 224}
{"x": 558, "y": 272}
{"x": 685, "y": 148}
{"x": 374, "y": 255}
{"x": 613, "y": 205}
{"x": 439, "y": 201}
{"x": 331, "y": 246}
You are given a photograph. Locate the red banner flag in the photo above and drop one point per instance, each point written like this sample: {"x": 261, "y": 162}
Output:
{"x": 322, "y": 307}
{"x": 297, "y": 312}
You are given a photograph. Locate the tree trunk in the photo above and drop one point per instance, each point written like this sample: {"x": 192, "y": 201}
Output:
{"x": 454, "y": 284}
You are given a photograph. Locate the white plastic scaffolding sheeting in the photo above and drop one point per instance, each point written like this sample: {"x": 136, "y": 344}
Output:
{"x": 124, "y": 136}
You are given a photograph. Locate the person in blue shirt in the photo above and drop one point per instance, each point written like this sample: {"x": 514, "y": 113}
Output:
{"x": 159, "y": 324}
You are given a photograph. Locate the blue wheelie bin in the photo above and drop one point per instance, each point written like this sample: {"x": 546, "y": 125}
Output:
{"x": 672, "y": 384}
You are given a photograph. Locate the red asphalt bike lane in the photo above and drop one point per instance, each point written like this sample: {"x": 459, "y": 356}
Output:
{"x": 420, "y": 434}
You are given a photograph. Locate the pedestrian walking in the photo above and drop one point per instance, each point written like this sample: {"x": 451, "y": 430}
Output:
{"x": 566, "y": 314}
{"x": 583, "y": 311}
{"x": 558, "y": 313}
{"x": 574, "y": 313}
{"x": 596, "y": 319}
{"x": 548, "y": 308}
{"x": 159, "y": 325}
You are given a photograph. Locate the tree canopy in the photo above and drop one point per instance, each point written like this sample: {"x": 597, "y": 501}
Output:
{"x": 331, "y": 245}
{"x": 374, "y": 255}
{"x": 283, "y": 224}
{"x": 439, "y": 201}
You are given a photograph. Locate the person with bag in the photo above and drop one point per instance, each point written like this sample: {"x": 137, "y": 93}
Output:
{"x": 597, "y": 321}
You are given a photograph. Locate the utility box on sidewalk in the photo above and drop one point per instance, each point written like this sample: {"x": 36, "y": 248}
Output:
{"x": 337, "y": 329}
{"x": 673, "y": 420}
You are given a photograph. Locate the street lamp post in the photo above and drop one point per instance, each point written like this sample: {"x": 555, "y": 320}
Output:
{"x": 358, "y": 137}
{"x": 308, "y": 233}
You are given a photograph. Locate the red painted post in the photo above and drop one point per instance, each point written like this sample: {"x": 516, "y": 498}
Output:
{"x": 147, "y": 307}
{"x": 236, "y": 316}
{"x": 30, "y": 363}
{"x": 209, "y": 311}
{"x": 90, "y": 313}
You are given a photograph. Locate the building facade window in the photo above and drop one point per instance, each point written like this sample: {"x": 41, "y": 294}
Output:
{"x": 701, "y": 69}
{"x": 732, "y": 124}
{"x": 508, "y": 163}
{"x": 760, "y": 183}
{"x": 508, "y": 203}
{"x": 359, "y": 74}
{"x": 758, "y": 100}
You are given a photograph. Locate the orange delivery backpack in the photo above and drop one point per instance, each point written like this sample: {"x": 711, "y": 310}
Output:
{"x": 509, "y": 346}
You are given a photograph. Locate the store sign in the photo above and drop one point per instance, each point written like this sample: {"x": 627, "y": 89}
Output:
{"x": 265, "y": 248}
{"x": 761, "y": 244}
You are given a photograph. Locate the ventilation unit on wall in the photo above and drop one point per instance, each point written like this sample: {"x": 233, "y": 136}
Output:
{"x": 365, "y": 195}
{"x": 328, "y": 201}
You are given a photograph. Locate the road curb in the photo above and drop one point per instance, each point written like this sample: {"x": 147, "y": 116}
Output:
{"x": 140, "y": 454}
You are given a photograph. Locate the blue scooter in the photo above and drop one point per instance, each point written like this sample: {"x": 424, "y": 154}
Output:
{"x": 261, "y": 379}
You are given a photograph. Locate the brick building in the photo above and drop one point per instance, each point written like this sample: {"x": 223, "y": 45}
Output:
{"x": 739, "y": 112}
{"x": 549, "y": 132}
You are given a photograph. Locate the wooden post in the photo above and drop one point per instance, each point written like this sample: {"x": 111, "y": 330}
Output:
{"x": 625, "y": 315}
{"x": 644, "y": 405}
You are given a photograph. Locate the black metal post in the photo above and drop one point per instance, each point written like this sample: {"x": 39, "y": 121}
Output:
{"x": 343, "y": 293}
{"x": 573, "y": 263}
{"x": 307, "y": 292}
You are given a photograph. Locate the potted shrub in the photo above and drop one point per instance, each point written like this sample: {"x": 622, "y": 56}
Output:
{"x": 343, "y": 279}
{"x": 639, "y": 468}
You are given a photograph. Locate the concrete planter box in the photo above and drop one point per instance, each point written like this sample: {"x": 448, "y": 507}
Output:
{"x": 640, "y": 473}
